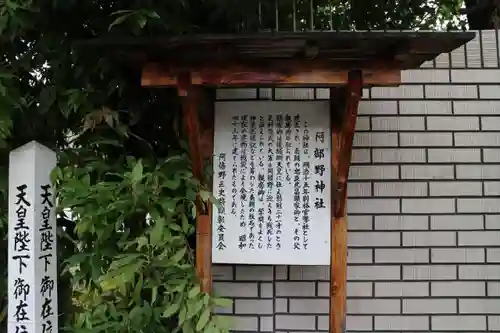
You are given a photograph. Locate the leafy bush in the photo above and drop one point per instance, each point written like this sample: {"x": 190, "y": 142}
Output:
{"x": 134, "y": 268}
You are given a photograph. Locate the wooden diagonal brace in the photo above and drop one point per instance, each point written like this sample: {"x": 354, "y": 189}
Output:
{"x": 200, "y": 141}
{"x": 343, "y": 129}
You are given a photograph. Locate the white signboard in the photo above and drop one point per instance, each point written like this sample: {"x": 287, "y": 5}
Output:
{"x": 32, "y": 270}
{"x": 272, "y": 179}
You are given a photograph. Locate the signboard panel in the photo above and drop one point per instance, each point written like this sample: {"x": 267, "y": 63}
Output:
{"x": 272, "y": 180}
{"x": 32, "y": 258}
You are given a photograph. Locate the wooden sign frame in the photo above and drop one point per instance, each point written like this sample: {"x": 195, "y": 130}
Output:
{"x": 198, "y": 115}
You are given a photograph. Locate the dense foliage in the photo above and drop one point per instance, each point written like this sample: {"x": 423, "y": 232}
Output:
{"x": 123, "y": 173}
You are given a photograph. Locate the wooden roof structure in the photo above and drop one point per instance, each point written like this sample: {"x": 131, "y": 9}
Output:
{"x": 306, "y": 58}
{"x": 345, "y": 62}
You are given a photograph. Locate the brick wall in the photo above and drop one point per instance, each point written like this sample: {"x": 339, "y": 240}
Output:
{"x": 424, "y": 210}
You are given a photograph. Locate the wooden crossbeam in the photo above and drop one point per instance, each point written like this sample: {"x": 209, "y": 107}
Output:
{"x": 283, "y": 73}
{"x": 200, "y": 142}
{"x": 343, "y": 127}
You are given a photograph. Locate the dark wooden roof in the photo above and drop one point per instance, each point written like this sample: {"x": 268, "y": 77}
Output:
{"x": 402, "y": 50}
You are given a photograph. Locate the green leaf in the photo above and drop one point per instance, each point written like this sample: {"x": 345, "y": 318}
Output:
{"x": 186, "y": 227}
{"x": 141, "y": 21}
{"x": 3, "y": 24}
{"x": 152, "y": 14}
{"x": 172, "y": 184}
{"x": 179, "y": 255}
{"x": 214, "y": 200}
{"x": 206, "y": 299}
{"x": 138, "y": 289}
{"x": 142, "y": 241}
{"x": 222, "y": 302}
{"x": 180, "y": 287}
{"x": 104, "y": 327}
{"x": 47, "y": 98}
{"x": 122, "y": 11}
{"x": 222, "y": 322}
{"x": 187, "y": 327}
{"x": 193, "y": 308}
{"x": 154, "y": 294}
{"x": 156, "y": 234}
{"x": 56, "y": 174}
{"x": 135, "y": 313}
{"x": 137, "y": 172}
{"x": 182, "y": 316}
{"x": 125, "y": 260}
{"x": 195, "y": 291}
{"x": 76, "y": 259}
{"x": 184, "y": 145}
{"x": 81, "y": 318}
{"x": 100, "y": 310}
{"x": 119, "y": 20}
{"x": 147, "y": 311}
{"x": 111, "y": 283}
{"x": 210, "y": 328}
{"x": 205, "y": 195}
{"x": 171, "y": 310}
{"x": 203, "y": 320}
{"x": 175, "y": 227}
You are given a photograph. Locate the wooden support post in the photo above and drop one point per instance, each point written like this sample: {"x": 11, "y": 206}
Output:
{"x": 200, "y": 141}
{"x": 343, "y": 127}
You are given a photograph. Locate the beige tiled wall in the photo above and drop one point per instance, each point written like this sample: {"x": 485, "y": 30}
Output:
{"x": 424, "y": 233}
